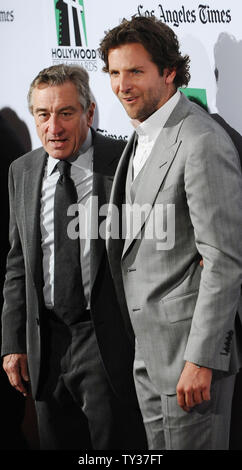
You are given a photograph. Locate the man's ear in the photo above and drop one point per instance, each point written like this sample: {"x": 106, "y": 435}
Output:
{"x": 169, "y": 75}
{"x": 90, "y": 114}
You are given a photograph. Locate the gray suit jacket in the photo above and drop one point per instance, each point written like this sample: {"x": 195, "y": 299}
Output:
{"x": 22, "y": 318}
{"x": 192, "y": 188}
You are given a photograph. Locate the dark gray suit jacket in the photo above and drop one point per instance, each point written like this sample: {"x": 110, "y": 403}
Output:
{"x": 23, "y": 307}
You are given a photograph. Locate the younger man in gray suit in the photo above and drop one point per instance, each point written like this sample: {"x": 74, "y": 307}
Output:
{"x": 180, "y": 181}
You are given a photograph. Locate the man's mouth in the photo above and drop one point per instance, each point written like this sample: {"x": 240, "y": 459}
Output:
{"x": 129, "y": 99}
{"x": 58, "y": 143}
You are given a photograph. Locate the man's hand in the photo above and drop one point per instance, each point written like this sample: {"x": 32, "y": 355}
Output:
{"x": 15, "y": 366}
{"x": 193, "y": 386}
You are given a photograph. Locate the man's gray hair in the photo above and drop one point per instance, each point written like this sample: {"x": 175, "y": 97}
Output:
{"x": 60, "y": 74}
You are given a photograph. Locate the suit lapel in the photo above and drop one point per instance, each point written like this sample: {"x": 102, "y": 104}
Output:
{"x": 114, "y": 241}
{"x": 118, "y": 191}
{"x": 155, "y": 171}
{"x": 104, "y": 165}
{"x": 32, "y": 194}
{"x": 101, "y": 191}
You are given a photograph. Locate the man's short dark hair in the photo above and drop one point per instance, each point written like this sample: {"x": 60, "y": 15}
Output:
{"x": 58, "y": 75}
{"x": 157, "y": 38}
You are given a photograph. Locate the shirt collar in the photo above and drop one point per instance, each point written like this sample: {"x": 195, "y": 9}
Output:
{"x": 151, "y": 127}
{"x": 52, "y": 162}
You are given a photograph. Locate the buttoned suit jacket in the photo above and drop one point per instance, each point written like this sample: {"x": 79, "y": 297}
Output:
{"x": 190, "y": 187}
{"x": 23, "y": 307}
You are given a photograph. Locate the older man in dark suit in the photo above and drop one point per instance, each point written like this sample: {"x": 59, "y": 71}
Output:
{"x": 62, "y": 328}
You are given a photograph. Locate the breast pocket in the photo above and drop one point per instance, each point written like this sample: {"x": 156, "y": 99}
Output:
{"x": 180, "y": 307}
{"x": 170, "y": 194}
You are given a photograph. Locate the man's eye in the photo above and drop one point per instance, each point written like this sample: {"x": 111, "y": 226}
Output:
{"x": 42, "y": 116}
{"x": 66, "y": 114}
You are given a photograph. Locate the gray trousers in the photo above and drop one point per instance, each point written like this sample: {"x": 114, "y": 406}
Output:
{"x": 168, "y": 427}
{"x": 76, "y": 406}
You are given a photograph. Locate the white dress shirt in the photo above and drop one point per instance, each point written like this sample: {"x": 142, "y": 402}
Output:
{"x": 149, "y": 130}
{"x": 82, "y": 175}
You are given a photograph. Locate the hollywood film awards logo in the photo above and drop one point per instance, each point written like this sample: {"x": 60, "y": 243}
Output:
{"x": 70, "y": 23}
{"x": 71, "y": 33}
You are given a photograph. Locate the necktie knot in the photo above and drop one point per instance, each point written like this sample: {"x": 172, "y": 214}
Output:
{"x": 64, "y": 168}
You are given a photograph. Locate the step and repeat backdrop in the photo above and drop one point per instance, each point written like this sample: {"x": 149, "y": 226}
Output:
{"x": 38, "y": 33}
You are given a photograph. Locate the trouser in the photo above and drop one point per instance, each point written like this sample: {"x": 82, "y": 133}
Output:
{"x": 76, "y": 407}
{"x": 168, "y": 427}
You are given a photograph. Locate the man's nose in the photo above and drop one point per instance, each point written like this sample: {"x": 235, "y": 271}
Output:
{"x": 125, "y": 83}
{"x": 55, "y": 126}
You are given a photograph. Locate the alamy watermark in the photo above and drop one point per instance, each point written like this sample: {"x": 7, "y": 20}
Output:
{"x": 133, "y": 221}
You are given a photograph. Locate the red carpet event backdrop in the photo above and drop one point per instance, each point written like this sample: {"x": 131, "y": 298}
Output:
{"x": 36, "y": 34}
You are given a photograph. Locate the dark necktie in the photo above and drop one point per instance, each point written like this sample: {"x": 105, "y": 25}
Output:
{"x": 69, "y": 299}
